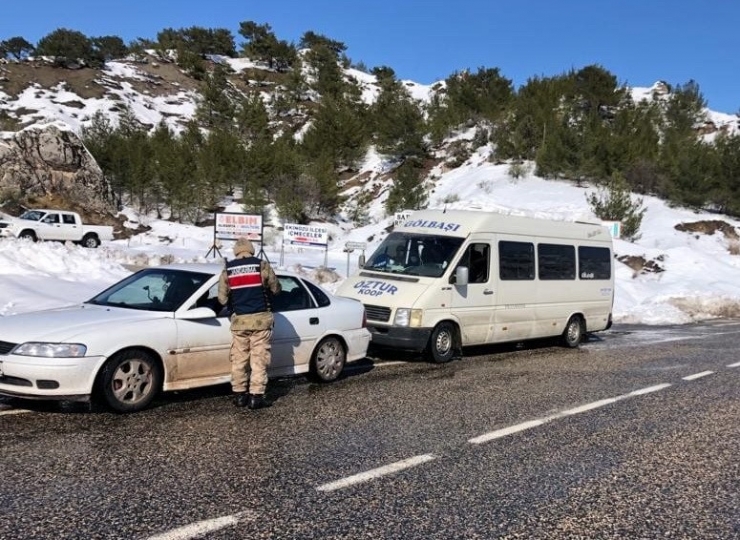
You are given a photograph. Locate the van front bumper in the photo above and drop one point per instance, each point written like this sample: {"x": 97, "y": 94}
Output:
{"x": 400, "y": 337}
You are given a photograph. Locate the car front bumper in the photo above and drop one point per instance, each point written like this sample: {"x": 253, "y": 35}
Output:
{"x": 400, "y": 337}
{"x": 48, "y": 378}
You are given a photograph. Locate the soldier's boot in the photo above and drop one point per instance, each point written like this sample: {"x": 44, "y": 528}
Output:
{"x": 241, "y": 399}
{"x": 257, "y": 401}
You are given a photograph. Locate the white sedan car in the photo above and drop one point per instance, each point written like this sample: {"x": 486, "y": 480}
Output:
{"x": 162, "y": 328}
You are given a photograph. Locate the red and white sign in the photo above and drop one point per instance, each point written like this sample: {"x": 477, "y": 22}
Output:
{"x": 232, "y": 225}
{"x": 309, "y": 236}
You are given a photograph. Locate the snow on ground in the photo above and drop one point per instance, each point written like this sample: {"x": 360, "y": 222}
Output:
{"x": 700, "y": 277}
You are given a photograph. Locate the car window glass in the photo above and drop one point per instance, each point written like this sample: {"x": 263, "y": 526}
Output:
{"x": 51, "y": 218}
{"x": 209, "y": 299}
{"x": 321, "y": 297}
{"x": 153, "y": 290}
{"x": 292, "y": 296}
{"x": 68, "y": 219}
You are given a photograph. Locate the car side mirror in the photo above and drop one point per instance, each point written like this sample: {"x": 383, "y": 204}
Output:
{"x": 461, "y": 276}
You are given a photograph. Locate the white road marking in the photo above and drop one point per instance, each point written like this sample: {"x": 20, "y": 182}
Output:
{"x": 14, "y": 411}
{"x": 568, "y": 412}
{"x": 376, "y": 473}
{"x": 194, "y": 530}
{"x": 736, "y": 364}
{"x": 507, "y": 431}
{"x": 697, "y": 375}
{"x": 649, "y": 389}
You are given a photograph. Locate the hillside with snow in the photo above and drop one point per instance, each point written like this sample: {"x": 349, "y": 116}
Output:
{"x": 668, "y": 275}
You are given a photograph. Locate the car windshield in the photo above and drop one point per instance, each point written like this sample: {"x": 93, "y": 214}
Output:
{"x": 414, "y": 254}
{"x": 152, "y": 289}
{"x": 32, "y": 215}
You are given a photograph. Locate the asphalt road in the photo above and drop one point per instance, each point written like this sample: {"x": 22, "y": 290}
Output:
{"x": 634, "y": 435}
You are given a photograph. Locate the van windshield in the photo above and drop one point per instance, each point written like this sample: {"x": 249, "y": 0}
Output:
{"x": 414, "y": 254}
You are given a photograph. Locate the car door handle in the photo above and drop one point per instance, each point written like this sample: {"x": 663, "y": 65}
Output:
{"x": 313, "y": 320}
{"x": 487, "y": 291}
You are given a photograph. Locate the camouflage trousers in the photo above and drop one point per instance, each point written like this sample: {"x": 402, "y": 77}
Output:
{"x": 250, "y": 358}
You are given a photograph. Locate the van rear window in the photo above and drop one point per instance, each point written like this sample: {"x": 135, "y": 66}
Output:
{"x": 594, "y": 263}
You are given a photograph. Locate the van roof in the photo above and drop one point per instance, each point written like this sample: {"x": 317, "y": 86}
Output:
{"x": 464, "y": 222}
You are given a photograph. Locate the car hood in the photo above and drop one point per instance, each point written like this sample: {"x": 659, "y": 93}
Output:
{"x": 383, "y": 290}
{"x": 64, "y": 324}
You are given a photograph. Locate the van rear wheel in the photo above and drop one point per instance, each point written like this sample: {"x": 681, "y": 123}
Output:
{"x": 442, "y": 343}
{"x": 574, "y": 332}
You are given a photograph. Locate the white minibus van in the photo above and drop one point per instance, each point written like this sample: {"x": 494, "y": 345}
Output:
{"x": 444, "y": 280}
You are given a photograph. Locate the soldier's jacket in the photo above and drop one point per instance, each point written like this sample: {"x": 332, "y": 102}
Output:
{"x": 252, "y": 321}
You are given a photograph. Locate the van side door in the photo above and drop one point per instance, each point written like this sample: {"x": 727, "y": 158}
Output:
{"x": 473, "y": 304}
{"x": 517, "y": 290}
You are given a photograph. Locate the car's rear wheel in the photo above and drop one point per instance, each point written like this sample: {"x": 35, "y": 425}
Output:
{"x": 328, "y": 360}
{"x": 129, "y": 381}
{"x": 573, "y": 333}
{"x": 90, "y": 241}
{"x": 442, "y": 343}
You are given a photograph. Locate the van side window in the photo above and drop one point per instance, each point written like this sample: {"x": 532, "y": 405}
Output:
{"x": 478, "y": 260}
{"x": 594, "y": 263}
{"x": 516, "y": 260}
{"x": 556, "y": 261}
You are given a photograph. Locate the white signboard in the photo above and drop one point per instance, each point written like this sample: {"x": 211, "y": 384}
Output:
{"x": 615, "y": 228}
{"x": 355, "y": 245}
{"x": 401, "y": 217}
{"x": 232, "y": 225}
{"x": 309, "y": 236}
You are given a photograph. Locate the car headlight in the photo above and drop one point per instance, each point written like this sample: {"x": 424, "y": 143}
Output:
{"x": 407, "y": 317}
{"x": 50, "y": 350}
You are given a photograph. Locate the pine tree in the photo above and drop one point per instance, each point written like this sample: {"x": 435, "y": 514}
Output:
{"x": 17, "y": 47}
{"x": 215, "y": 108}
{"x": 614, "y": 203}
{"x": 67, "y": 47}
{"x": 397, "y": 121}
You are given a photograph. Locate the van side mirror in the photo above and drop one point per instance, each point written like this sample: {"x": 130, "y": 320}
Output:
{"x": 461, "y": 276}
{"x": 361, "y": 260}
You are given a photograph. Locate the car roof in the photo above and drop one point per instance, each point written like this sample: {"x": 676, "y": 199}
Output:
{"x": 215, "y": 268}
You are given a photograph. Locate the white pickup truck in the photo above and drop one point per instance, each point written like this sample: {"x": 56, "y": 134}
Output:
{"x": 59, "y": 225}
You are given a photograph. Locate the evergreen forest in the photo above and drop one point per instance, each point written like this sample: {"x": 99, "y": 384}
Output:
{"x": 298, "y": 132}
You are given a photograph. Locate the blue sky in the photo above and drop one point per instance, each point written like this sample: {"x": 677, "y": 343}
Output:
{"x": 639, "y": 41}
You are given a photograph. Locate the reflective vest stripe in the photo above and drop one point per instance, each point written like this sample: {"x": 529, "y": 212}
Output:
{"x": 245, "y": 280}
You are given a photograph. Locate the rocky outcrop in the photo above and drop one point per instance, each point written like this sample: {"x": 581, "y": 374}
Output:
{"x": 51, "y": 163}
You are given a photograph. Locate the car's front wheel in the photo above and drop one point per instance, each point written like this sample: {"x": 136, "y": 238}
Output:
{"x": 27, "y": 234}
{"x": 328, "y": 360}
{"x": 129, "y": 381}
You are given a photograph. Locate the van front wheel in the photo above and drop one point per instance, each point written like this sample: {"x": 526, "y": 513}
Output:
{"x": 442, "y": 343}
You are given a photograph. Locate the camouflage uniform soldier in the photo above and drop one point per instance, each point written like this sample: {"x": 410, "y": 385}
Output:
{"x": 244, "y": 286}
